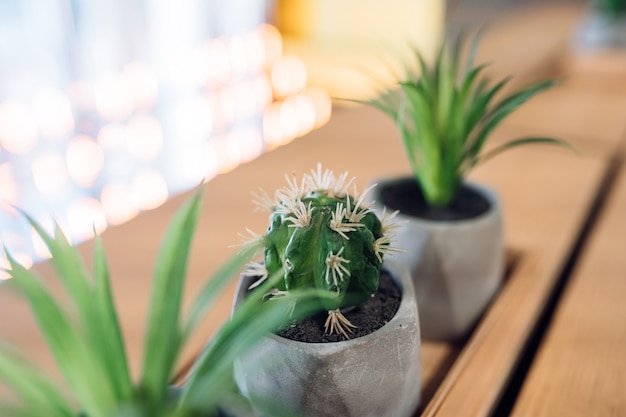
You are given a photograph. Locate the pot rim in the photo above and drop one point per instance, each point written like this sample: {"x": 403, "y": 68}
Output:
{"x": 400, "y": 276}
{"x": 485, "y": 190}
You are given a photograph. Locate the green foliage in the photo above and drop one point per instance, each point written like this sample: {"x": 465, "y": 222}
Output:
{"x": 84, "y": 336}
{"x": 445, "y": 114}
{"x": 613, "y": 8}
{"x": 321, "y": 237}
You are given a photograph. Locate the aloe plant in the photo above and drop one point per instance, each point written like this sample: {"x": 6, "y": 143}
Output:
{"x": 84, "y": 335}
{"x": 322, "y": 237}
{"x": 446, "y": 112}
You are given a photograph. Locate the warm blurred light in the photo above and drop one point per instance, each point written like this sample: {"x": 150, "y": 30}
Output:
{"x": 113, "y": 136}
{"x": 273, "y": 43}
{"x": 255, "y": 50}
{"x": 212, "y": 63}
{"x": 85, "y": 217}
{"x": 322, "y": 104}
{"x": 50, "y": 173}
{"x": 199, "y": 164}
{"x": 18, "y": 129}
{"x": 145, "y": 136}
{"x": 193, "y": 119}
{"x": 149, "y": 190}
{"x": 238, "y": 56}
{"x": 272, "y": 130}
{"x": 245, "y": 143}
{"x": 288, "y": 121}
{"x": 117, "y": 204}
{"x": 288, "y": 76}
{"x": 305, "y": 112}
{"x": 85, "y": 160}
{"x": 113, "y": 95}
{"x": 54, "y": 113}
{"x": 224, "y": 112}
{"x": 8, "y": 188}
{"x": 262, "y": 92}
{"x": 143, "y": 84}
{"x": 227, "y": 155}
{"x": 236, "y": 97}
{"x": 244, "y": 105}
{"x": 82, "y": 95}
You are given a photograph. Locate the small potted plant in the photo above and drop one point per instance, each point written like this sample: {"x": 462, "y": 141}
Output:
{"x": 84, "y": 337}
{"x": 340, "y": 361}
{"x": 603, "y": 25}
{"x": 452, "y": 228}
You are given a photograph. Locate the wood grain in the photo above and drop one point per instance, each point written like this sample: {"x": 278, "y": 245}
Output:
{"x": 546, "y": 194}
{"x": 580, "y": 369}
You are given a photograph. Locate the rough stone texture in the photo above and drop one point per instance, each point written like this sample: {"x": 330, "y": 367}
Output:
{"x": 457, "y": 267}
{"x": 377, "y": 375}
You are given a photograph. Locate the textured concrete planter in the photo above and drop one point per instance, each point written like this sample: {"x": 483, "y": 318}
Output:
{"x": 377, "y": 375}
{"x": 457, "y": 266}
{"x": 599, "y": 31}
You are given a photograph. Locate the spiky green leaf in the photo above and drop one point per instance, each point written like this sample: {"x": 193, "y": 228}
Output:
{"x": 164, "y": 334}
{"x": 502, "y": 109}
{"x": 67, "y": 342}
{"x": 520, "y": 142}
{"x": 110, "y": 343}
{"x": 38, "y": 395}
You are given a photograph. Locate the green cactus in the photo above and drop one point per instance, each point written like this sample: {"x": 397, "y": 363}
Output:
{"x": 322, "y": 237}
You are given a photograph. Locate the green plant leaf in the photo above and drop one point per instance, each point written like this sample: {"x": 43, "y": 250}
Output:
{"x": 109, "y": 343}
{"x": 473, "y": 49}
{"x": 477, "y": 114}
{"x": 503, "y": 109}
{"x": 68, "y": 343}
{"x": 69, "y": 267}
{"x": 38, "y": 395}
{"x": 214, "y": 287}
{"x": 523, "y": 141}
{"x": 91, "y": 299}
{"x": 251, "y": 321}
{"x": 164, "y": 335}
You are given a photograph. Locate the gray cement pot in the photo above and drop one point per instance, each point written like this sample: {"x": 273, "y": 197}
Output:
{"x": 457, "y": 266}
{"x": 377, "y": 375}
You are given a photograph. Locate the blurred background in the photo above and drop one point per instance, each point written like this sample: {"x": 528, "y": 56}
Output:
{"x": 109, "y": 107}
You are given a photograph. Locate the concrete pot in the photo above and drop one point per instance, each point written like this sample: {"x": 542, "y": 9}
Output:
{"x": 599, "y": 31}
{"x": 376, "y": 375}
{"x": 457, "y": 266}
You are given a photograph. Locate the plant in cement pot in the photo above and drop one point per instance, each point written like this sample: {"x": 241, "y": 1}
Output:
{"x": 445, "y": 114}
{"x": 603, "y": 25}
{"x": 338, "y": 362}
{"x": 83, "y": 333}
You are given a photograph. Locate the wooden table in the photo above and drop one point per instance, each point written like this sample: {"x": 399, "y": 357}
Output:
{"x": 547, "y": 194}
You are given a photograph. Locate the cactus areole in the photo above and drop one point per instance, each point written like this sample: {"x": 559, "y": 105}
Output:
{"x": 320, "y": 236}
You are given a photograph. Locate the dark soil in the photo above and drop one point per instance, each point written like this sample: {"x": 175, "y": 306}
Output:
{"x": 406, "y": 196}
{"x": 368, "y": 317}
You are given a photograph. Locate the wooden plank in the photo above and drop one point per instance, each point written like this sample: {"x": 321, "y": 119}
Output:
{"x": 546, "y": 198}
{"x": 545, "y": 194}
{"x": 593, "y": 120}
{"x": 580, "y": 368}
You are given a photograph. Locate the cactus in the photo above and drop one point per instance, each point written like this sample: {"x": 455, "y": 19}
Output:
{"x": 322, "y": 237}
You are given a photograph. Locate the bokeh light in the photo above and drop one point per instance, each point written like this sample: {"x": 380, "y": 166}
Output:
{"x": 85, "y": 160}
{"x": 118, "y": 140}
{"x": 18, "y": 127}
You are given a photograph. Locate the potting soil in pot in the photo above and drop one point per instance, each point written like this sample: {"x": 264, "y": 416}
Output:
{"x": 367, "y": 317}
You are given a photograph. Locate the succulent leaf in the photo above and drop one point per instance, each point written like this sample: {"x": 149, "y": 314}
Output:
{"x": 445, "y": 113}
{"x": 321, "y": 237}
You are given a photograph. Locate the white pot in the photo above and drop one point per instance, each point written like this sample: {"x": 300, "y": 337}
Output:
{"x": 457, "y": 266}
{"x": 376, "y": 375}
